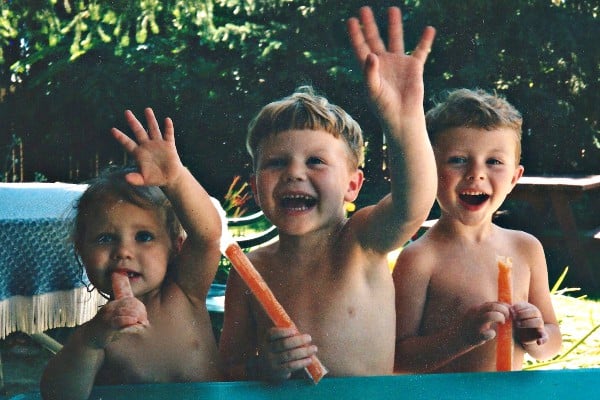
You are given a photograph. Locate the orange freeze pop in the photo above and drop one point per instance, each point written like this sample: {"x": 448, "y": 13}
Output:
{"x": 267, "y": 300}
{"x": 120, "y": 285}
{"x": 504, "y": 339}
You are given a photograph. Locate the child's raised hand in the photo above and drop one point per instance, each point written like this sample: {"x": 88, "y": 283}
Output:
{"x": 478, "y": 324}
{"x": 529, "y": 324}
{"x": 155, "y": 153}
{"x": 394, "y": 80}
{"x": 288, "y": 351}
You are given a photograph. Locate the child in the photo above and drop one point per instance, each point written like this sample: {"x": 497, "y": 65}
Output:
{"x": 446, "y": 281}
{"x": 125, "y": 224}
{"x": 329, "y": 272}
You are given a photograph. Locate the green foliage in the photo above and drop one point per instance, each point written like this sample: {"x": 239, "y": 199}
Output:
{"x": 69, "y": 68}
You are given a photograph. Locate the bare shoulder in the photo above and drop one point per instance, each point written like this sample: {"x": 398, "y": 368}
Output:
{"x": 524, "y": 243}
{"x": 262, "y": 255}
{"x": 421, "y": 252}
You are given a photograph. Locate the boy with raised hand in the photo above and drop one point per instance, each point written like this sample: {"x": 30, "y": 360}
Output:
{"x": 330, "y": 272}
{"x": 447, "y": 280}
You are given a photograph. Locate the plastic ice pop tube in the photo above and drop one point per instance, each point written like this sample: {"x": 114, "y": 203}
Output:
{"x": 504, "y": 336}
{"x": 231, "y": 249}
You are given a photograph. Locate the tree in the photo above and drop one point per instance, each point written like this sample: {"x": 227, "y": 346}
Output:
{"x": 69, "y": 69}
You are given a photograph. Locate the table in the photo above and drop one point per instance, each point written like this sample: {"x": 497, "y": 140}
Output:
{"x": 41, "y": 284}
{"x": 560, "y": 192}
{"x": 558, "y": 384}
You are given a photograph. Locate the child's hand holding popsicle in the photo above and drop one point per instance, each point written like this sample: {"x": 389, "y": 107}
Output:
{"x": 130, "y": 313}
{"x": 288, "y": 351}
{"x": 529, "y": 324}
{"x": 123, "y": 314}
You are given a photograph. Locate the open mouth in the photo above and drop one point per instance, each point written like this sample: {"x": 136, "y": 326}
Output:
{"x": 474, "y": 199}
{"x": 298, "y": 202}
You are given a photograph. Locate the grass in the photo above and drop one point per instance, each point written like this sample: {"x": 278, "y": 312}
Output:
{"x": 579, "y": 321}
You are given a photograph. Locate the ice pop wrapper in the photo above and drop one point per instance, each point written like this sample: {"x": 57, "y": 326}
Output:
{"x": 232, "y": 250}
{"x": 504, "y": 341}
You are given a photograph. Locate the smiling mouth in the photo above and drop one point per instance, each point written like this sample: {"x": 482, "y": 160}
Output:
{"x": 298, "y": 202}
{"x": 474, "y": 199}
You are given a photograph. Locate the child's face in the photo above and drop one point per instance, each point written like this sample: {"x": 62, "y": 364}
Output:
{"x": 303, "y": 178}
{"x": 122, "y": 236}
{"x": 477, "y": 169}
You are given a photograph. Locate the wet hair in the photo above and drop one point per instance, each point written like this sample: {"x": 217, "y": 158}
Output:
{"x": 474, "y": 109}
{"x": 304, "y": 109}
{"x": 110, "y": 186}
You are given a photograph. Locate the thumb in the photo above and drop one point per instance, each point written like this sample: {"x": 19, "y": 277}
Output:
{"x": 120, "y": 285}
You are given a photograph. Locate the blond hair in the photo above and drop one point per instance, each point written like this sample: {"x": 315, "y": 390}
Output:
{"x": 304, "y": 109}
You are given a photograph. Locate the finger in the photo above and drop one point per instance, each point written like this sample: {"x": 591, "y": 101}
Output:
{"x": 395, "y": 33}
{"x": 292, "y": 342}
{"x": 487, "y": 334}
{"x": 295, "y": 365}
{"x": 357, "y": 40}
{"x": 370, "y": 31}
{"x": 123, "y": 321}
{"x": 372, "y": 78}
{"x": 153, "y": 128}
{"x": 128, "y": 144}
{"x": 424, "y": 47}
{"x": 280, "y": 333}
{"x": 120, "y": 285}
{"x": 136, "y": 127}
{"x": 135, "y": 179}
{"x": 169, "y": 135}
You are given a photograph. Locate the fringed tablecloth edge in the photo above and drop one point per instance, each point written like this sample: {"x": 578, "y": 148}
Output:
{"x": 36, "y": 314}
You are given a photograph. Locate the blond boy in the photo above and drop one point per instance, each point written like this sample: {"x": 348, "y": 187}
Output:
{"x": 330, "y": 272}
{"x": 446, "y": 281}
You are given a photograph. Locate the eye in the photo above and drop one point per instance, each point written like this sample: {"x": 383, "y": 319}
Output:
{"x": 457, "y": 160}
{"x": 494, "y": 161}
{"x": 104, "y": 238}
{"x": 274, "y": 163}
{"x": 314, "y": 161}
{"x": 144, "y": 236}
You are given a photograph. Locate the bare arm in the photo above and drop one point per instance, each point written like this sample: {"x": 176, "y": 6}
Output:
{"x": 536, "y": 324}
{"x": 394, "y": 82}
{"x": 238, "y": 343}
{"x": 159, "y": 165}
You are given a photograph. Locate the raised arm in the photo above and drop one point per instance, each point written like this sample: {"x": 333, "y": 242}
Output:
{"x": 160, "y": 165}
{"x": 394, "y": 82}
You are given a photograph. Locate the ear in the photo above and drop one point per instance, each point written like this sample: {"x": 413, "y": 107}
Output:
{"x": 252, "y": 182}
{"x": 517, "y": 175}
{"x": 356, "y": 181}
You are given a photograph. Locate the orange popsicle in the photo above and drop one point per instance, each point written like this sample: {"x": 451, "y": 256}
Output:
{"x": 122, "y": 288}
{"x": 267, "y": 300}
{"x": 120, "y": 285}
{"x": 504, "y": 338}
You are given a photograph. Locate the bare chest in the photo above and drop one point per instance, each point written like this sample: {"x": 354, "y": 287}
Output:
{"x": 176, "y": 347}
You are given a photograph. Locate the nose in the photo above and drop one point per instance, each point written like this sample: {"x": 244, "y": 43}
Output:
{"x": 475, "y": 172}
{"x": 122, "y": 251}
{"x": 295, "y": 171}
